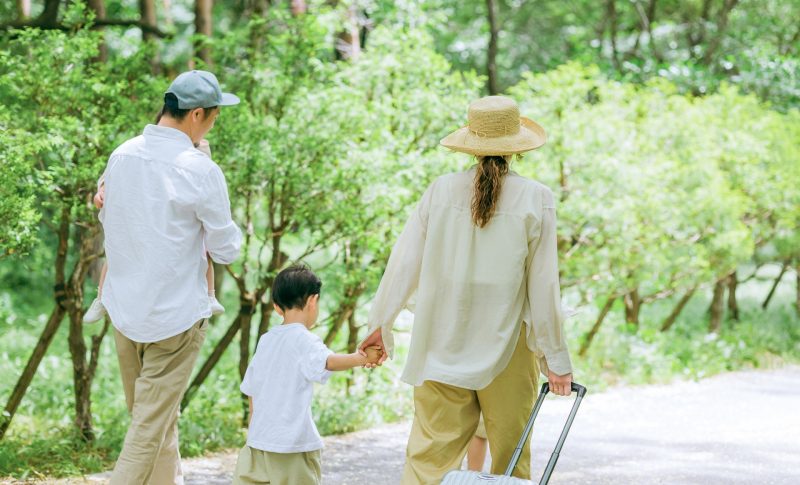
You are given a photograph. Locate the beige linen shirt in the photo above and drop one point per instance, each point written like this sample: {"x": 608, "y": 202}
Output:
{"x": 473, "y": 287}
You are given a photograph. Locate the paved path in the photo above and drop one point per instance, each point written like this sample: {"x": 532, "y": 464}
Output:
{"x": 737, "y": 428}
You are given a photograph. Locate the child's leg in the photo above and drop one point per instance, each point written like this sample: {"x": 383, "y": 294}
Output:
{"x": 102, "y": 278}
{"x": 216, "y": 307}
{"x": 210, "y": 277}
{"x": 97, "y": 311}
{"x": 476, "y": 453}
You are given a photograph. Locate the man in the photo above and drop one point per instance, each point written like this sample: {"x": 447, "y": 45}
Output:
{"x": 165, "y": 206}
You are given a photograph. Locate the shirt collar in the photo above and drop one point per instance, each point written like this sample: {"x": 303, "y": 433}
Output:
{"x": 171, "y": 133}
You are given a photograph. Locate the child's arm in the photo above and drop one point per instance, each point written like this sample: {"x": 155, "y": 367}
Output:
{"x": 250, "y": 414}
{"x": 348, "y": 361}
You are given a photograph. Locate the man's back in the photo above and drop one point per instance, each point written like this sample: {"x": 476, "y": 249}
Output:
{"x": 166, "y": 204}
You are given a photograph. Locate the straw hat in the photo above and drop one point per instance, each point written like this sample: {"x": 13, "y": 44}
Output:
{"x": 496, "y": 128}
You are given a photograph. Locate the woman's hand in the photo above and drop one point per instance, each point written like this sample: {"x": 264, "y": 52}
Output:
{"x": 561, "y": 385}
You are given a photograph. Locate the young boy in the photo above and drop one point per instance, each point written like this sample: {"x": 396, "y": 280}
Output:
{"x": 283, "y": 445}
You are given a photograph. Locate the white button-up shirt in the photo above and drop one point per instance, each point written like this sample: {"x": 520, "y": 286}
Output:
{"x": 166, "y": 204}
{"x": 475, "y": 286}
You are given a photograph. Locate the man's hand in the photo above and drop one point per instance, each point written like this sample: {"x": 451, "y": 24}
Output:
{"x": 561, "y": 385}
{"x": 374, "y": 340}
{"x": 99, "y": 197}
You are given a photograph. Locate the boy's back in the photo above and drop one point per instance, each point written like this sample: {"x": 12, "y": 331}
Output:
{"x": 283, "y": 445}
{"x": 288, "y": 360}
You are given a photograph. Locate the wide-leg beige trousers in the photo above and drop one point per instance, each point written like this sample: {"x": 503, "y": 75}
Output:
{"x": 154, "y": 376}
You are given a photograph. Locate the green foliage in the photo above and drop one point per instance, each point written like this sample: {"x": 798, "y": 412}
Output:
{"x": 759, "y": 340}
{"x": 18, "y": 218}
{"x": 659, "y": 191}
{"x": 695, "y": 45}
{"x": 669, "y": 177}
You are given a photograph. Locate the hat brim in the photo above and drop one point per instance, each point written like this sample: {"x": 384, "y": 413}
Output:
{"x": 229, "y": 99}
{"x": 530, "y": 137}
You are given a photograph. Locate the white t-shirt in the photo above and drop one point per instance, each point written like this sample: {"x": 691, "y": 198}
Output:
{"x": 288, "y": 360}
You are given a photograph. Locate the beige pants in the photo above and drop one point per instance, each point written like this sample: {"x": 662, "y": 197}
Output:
{"x": 446, "y": 418}
{"x": 256, "y": 467}
{"x": 154, "y": 377}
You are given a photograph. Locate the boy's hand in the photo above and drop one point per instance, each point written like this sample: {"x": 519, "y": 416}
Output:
{"x": 204, "y": 147}
{"x": 99, "y": 197}
{"x": 373, "y": 354}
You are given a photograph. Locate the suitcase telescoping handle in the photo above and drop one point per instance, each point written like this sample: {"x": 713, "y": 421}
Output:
{"x": 529, "y": 426}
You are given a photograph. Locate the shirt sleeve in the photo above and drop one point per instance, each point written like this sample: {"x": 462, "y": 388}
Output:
{"x": 544, "y": 296}
{"x": 223, "y": 239}
{"x": 401, "y": 277}
{"x": 315, "y": 360}
{"x": 247, "y": 382}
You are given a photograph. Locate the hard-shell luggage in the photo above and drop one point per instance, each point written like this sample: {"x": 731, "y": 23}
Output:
{"x": 464, "y": 477}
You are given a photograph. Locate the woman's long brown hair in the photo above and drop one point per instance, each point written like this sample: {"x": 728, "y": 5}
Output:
{"x": 488, "y": 181}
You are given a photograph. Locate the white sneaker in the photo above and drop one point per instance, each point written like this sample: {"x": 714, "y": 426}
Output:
{"x": 95, "y": 313}
{"x": 216, "y": 307}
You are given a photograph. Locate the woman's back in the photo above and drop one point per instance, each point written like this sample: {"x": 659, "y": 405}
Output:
{"x": 471, "y": 295}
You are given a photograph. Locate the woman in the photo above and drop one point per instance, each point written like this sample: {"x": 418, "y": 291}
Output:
{"x": 480, "y": 253}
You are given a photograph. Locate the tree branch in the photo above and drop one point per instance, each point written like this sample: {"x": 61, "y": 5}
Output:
{"x": 150, "y": 29}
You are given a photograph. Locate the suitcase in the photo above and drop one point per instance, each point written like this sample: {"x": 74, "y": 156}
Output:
{"x": 465, "y": 477}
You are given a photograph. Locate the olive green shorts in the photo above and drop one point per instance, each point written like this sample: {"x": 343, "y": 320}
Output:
{"x": 262, "y": 467}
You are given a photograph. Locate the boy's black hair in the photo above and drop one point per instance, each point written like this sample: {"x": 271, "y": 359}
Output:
{"x": 171, "y": 109}
{"x": 293, "y": 286}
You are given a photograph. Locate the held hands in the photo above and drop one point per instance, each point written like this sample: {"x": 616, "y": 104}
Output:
{"x": 375, "y": 339}
{"x": 560, "y": 385}
{"x": 373, "y": 354}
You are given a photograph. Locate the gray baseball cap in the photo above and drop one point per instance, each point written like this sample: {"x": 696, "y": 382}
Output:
{"x": 199, "y": 89}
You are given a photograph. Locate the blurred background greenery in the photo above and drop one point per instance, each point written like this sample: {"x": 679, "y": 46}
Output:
{"x": 673, "y": 149}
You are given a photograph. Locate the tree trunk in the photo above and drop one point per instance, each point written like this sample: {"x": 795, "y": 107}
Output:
{"x": 212, "y": 360}
{"x": 717, "y": 306}
{"x": 348, "y": 42}
{"x": 147, "y": 12}
{"x": 667, "y": 323}
{"x": 722, "y": 25}
{"x": 248, "y": 306}
{"x": 587, "y": 340}
{"x": 82, "y": 370}
{"x": 733, "y": 304}
{"x": 632, "y": 306}
{"x": 46, "y": 338}
{"x": 352, "y": 344}
{"x": 49, "y": 16}
{"x": 23, "y": 10}
{"x": 266, "y": 314}
{"x": 491, "y": 54}
{"x": 202, "y": 26}
{"x": 797, "y": 289}
{"x": 24, "y": 381}
{"x": 99, "y": 9}
{"x": 774, "y": 286}
{"x": 611, "y": 13}
{"x": 346, "y": 309}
